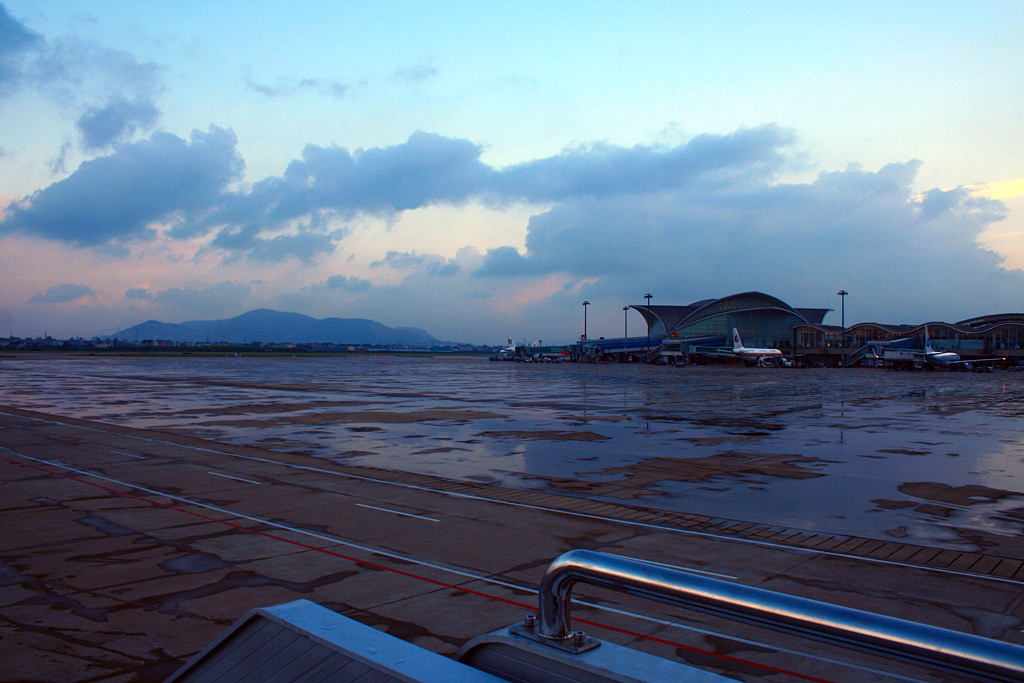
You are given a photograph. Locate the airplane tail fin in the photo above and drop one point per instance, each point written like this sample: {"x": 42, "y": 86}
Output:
{"x": 927, "y": 342}
{"x": 736, "y": 343}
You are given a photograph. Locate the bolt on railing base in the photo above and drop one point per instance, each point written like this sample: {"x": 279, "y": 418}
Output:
{"x": 574, "y": 643}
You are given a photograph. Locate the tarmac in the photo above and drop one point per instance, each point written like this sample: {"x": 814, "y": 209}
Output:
{"x": 125, "y": 551}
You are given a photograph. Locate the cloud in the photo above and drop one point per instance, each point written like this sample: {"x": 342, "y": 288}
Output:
{"x": 63, "y": 294}
{"x": 224, "y": 296}
{"x": 428, "y": 169}
{"x": 72, "y": 71}
{"x": 296, "y": 214}
{"x": 77, "y": 75}
{"x": 118, "y": 120}
{"x": 348, "y": 284}
{"x": 118, "y": 197}
{"x": 139, "y": 293}
{"x": 17, "y": 46}
{"x": 430, "y": 263}
{"x": 58, "y": 164}
{"x": 305, "y": 245}
{"x": 507, "y": 262}
{"x": 603, "y": 170}
{"x": 417, "y": 73}
{"x": 704, "y": 218}
{"x": 290, "y": 86}
{"x": 855, "y": 229}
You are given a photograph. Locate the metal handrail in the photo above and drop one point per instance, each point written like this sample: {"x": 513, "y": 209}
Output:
{"x": 897, "y": 638}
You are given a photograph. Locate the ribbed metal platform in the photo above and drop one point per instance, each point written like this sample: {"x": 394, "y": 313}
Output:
{"x": 302, "y": 641}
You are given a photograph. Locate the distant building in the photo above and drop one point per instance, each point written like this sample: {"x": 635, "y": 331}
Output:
{"x": 761, "y": 319}
{"x": 766, "y": 321}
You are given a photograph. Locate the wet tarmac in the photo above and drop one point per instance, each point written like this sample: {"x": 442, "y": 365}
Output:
{"x": 932, "y": 458}
{"x": 147, "y": 504}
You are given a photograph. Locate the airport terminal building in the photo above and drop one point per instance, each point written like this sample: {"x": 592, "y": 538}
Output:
{"x": 676, "y": 332}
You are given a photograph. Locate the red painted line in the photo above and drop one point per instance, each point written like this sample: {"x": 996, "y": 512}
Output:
{"x": 374, "y": 565}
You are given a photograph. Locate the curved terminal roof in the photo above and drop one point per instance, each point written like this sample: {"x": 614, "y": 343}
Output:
{"x": 666, "y": 319}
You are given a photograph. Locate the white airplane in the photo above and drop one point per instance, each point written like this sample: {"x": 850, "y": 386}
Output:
{"x": 509, "y": 350}
{"x": 951, "y": 358}
{"x": 938, "y": 357}
{"x": 759, "y": 355}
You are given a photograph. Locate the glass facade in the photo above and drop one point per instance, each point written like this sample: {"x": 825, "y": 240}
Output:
{"x": 990, "y": 338}
{"x": 761, "y": 320}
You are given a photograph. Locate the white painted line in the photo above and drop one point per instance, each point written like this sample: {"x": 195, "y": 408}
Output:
{"x": 130, "y": 455}
{"x": 396, "y": 512}
{"x": 228, "y": 476}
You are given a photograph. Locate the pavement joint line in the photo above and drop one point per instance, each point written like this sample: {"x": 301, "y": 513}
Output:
{"x": 130, "y": 455}
{"x": 396, "y": 512}
{"x": 228, "y": 476}
{"x": 708, "y": 534}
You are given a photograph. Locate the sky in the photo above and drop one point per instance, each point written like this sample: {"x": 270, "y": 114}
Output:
{"x": 480, "y": 169}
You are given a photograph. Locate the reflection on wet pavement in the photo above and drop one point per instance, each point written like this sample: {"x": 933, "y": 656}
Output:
{"x": 926, "y": 457}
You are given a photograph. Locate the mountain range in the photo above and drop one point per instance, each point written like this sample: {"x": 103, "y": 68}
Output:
{"x": 269, "y": 327}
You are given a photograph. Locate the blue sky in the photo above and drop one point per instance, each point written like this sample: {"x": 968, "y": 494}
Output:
{"x": 479, "y": 169}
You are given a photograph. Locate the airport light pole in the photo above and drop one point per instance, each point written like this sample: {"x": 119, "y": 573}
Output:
{"x": 625, "y": 322}
{"x": 842, "y": 295}
{"x": 648, "y": 296}
{"x": 585, "y": 304}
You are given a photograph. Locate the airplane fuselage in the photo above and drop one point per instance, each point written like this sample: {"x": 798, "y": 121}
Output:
{"x": 739, "y": 349}
{"x": 942, "y": 357}
{"x": 756, "y": 352}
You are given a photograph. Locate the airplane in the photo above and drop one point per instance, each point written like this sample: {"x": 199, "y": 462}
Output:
{"x": 951, "y": 359}
{"x": 938, "y": 357}
{"x": 509, "y": 350}
{"x": 758, "y": 355}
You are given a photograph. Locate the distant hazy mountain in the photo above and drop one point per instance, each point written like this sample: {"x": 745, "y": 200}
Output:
{"x": 268, "y": 326}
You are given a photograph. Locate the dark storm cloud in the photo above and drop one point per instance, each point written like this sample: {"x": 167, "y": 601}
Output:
{"x": 115, "y": 122}
{"x": 62, "y": 294}
{"x": 117, "y": 197}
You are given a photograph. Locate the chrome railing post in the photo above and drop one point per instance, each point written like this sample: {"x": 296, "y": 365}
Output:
{"x": 897, "y": 638}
